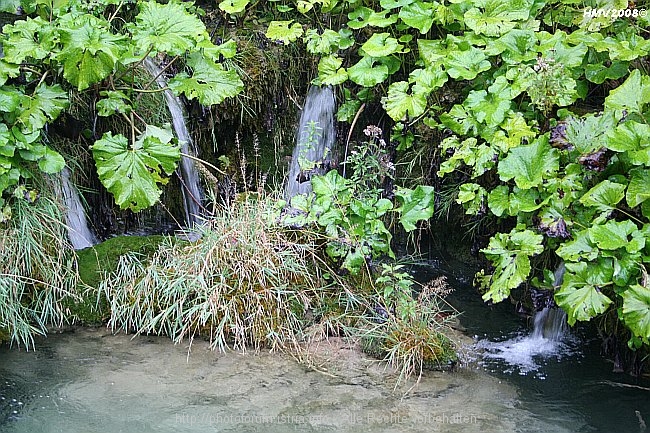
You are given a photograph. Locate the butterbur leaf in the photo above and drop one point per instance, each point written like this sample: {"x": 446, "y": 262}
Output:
{"x": 363, "y": 16}
{"x": 636, "y": 310}
{"x": 416, "y": 205}
{"x": 168, "y": 28}
{"x": 330, "y": 71}
{"x": 132, "y": 174}
{"x": 604, "y": 196}
{"x": 497, "y": 17}
{"x": 24, "y": 40}
{"x": 580, "y": 295}
{"x": 52, "y": 162}
{"x": 366, "y": 74}
{"x": 43, "y": 106}
{"x": 90, "y": 52}
{"x": 322, "y": 43}
{"x": 419, "y": 15}
{"x": 399, "y": 102}
{"x": 630, "y": 136}
{"x": 529, "y": 165}
{"x": 612, "y": 235}
{"x": 466, "y": 64}
{"x": 510, "y": 253}
{"x": 115, "y": 101}
{"x": 209, "y": 83}
{"x": 380, "y": 45}
{"x": 638, "y": 191}
{"x": 233, "y": 6}
{"x": 284, "y": 31}
{"x": 630, "y": 96}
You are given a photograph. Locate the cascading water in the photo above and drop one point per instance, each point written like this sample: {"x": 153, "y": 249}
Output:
{"x": 191, "y": 190}
{"x": 316, "y": 136}
{"x": 78, "y": 231}
{"x": 549, "y": 338}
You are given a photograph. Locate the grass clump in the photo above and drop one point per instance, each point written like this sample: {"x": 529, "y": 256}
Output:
{"x": 410, "y": 333}
{"x": 37, "y": 270}
{"x": 246, "y": 282}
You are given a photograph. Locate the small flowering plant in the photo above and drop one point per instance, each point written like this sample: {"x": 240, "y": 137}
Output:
{"x": 352, "y": 211}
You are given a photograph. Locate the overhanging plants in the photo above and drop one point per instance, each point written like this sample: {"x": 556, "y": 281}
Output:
{"x": 68, "y": 47}
{"x": 573, "y": 184}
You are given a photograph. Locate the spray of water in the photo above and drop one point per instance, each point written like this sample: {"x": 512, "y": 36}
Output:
{"x": 548, "y": 339}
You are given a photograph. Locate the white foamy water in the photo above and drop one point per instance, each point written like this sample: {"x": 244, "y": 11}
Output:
{"x": 79, "y": 232}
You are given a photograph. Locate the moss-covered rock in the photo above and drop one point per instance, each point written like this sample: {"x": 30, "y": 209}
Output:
{"x": 94, "y": 264}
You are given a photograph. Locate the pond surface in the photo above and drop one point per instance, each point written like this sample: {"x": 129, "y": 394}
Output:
{"x": 91, "y": 381}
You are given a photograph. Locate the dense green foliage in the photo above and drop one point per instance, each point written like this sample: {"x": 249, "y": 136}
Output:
{"x": 544, "y": 111}
{"x": 64, "y": 48}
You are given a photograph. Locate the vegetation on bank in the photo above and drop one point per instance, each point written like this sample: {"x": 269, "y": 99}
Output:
{"x": 532, "y": 115}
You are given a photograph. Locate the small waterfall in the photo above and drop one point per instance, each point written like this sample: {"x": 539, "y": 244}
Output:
{"x": 314, "y": 142}
{"x": 78, "y": 231}
{"x": 191, "y": 190}
{"x": 550, "y": 322}
{"x": 548, "y": 339}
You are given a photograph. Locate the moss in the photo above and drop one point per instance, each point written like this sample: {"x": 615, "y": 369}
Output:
{"x": 95, "y": 262}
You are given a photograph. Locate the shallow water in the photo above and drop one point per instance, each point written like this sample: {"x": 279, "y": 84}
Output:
{"x": 566, "y": 383}
{"x": 92, "y": 381}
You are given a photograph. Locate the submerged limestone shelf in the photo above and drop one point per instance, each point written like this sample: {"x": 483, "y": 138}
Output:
{"x": 93, "y": 381}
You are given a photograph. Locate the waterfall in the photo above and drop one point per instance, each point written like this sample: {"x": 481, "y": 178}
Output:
{"x": 525, "y": 353}
{"x": 191, "y": 189}
{"x": 550, "y": 322}
{"x": 314, "y": 141}
{"x": 78, "y": 231}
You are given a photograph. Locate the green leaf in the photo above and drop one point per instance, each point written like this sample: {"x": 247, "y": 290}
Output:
{"x": 416, "y": 205}
{"x": 284, "y": 31}
{"x": 629, "y": 136}
{"x": 330, "y": 71}
{"x": 529, "y": 165}
{"x": 115, "y": 101}
{"x": 380, "y": 45}
{"x": 466, "y": 64}
{"x": 498, "y": 16}
{"x": 233, "y": 6}
{"x": 132, "y": 174}
{"x": 612, "y": 235}
{"x": 579, "y": 248}
{"x": 366, "y": 74}
{"x": 472, "y": 197}
{"x": 363, "y": 16}
{"x": 580, "y": 295}
{"x": 44, "y": 106}
{"x": 631, "y": 96}
{"x": 52, "y": 162}
{"x": 25, "y": 40}
{"x": 167, "y": 28}
{"x": 90, "y": 52}
{"x": 636, "y": 310}
{"x": 330, "y": 185}
{"x": 589, "y": 133}
{"x": 638, "y": 191}
{"x": 322, "y": 43}
{"x": 489, "y": 108}
{"x": 209, "y": 83}
{"x": 510, "y": 253}
{"x": 419, "y": 15}
{"x": 599, "y": 73}
{"x": 604, "y": 196}
{"x": 400, "y": 102}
